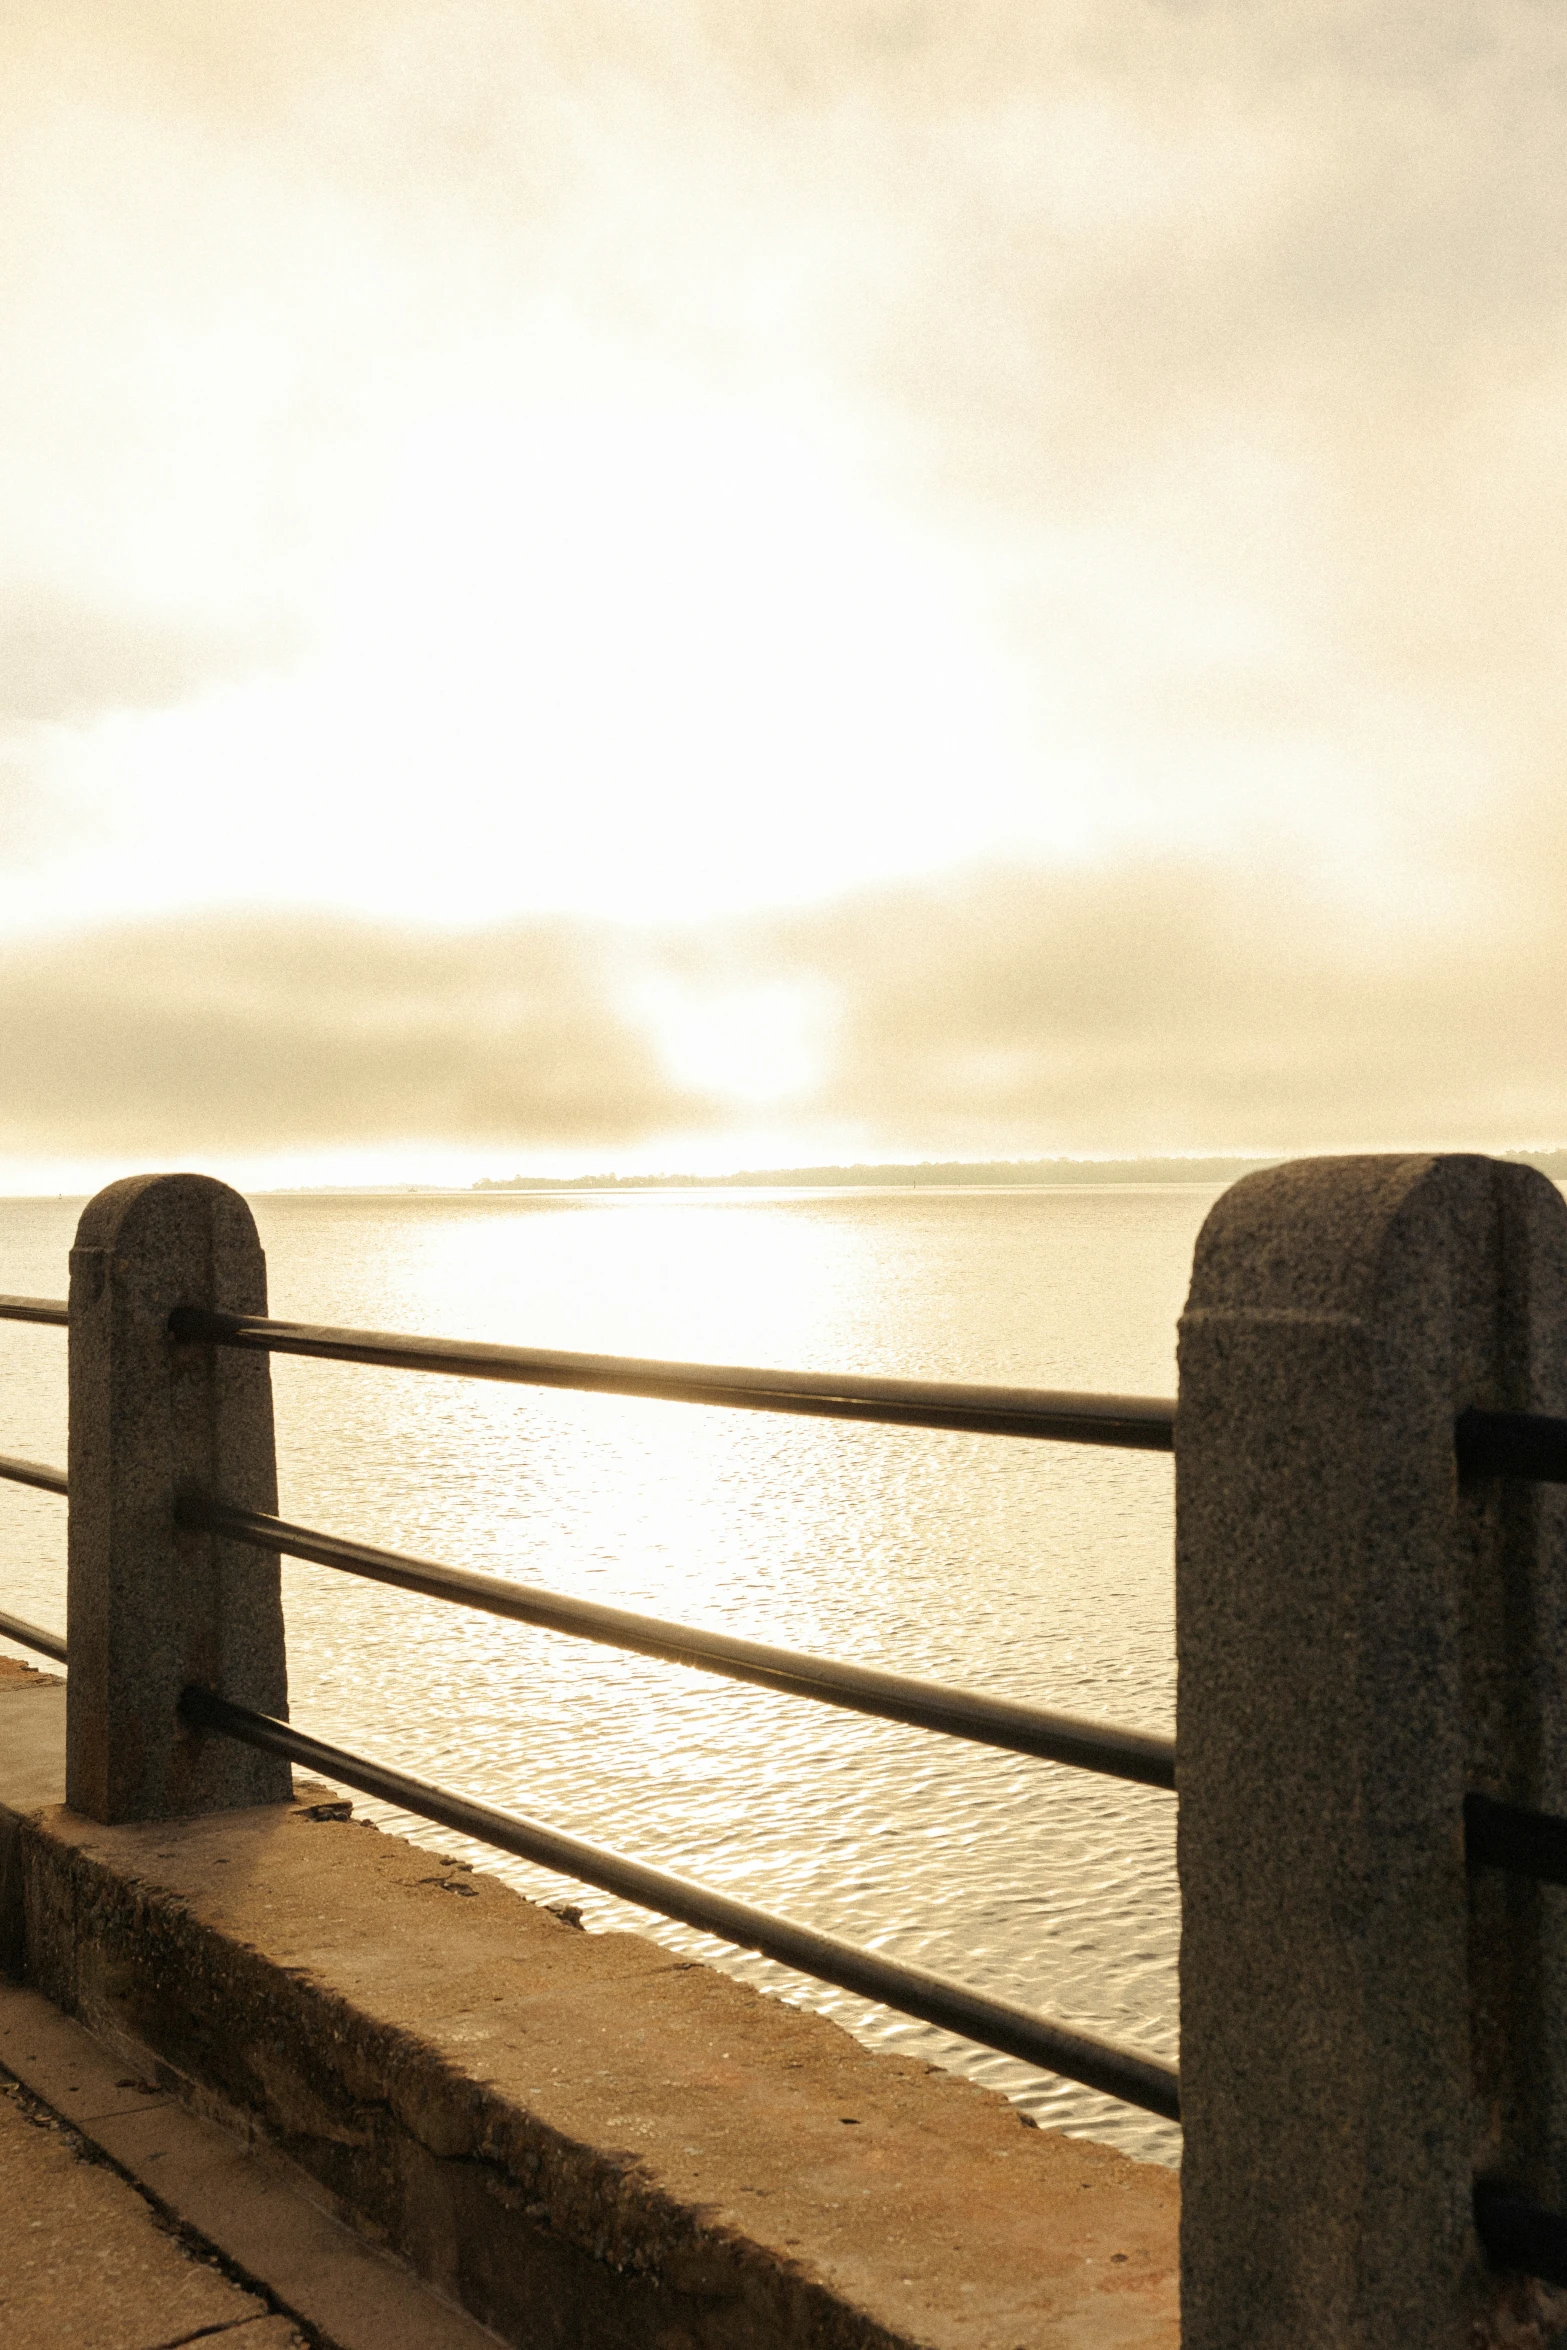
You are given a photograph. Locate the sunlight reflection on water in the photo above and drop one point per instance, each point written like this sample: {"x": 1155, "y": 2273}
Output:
{"x": 1039, "y": 1572}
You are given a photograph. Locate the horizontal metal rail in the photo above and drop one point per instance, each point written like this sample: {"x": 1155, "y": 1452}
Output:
{"x": 32, "y": 1473}
{"x": 1518, "y": 2235}
{"x": 1508, "y": 1836}
{"x": 32, "y": 1636}
{"x": 1142, "y": 1423}
{"x": 1528, "y": 1445}
{"x": 1512, "y": 1444}
{"x": 1137, "y": 2079}
{"x": 895, "y": 1697}
{"x": 35, "y": 1309}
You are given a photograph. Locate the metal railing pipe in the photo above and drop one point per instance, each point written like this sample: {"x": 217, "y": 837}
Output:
{"x": 33, "y": 1636}
{"x": 1518, "y": 2235}
{"x": 1141, "y": 1423}
{"x": 895, "y": 1697}
{"x": 1126, "y": 2073}
{"x": 1512, "y": 1444}
{"x": 1527, "y": 1445}
{"x": 1509, "y": 1836}
{"x": 17, "y": 1472}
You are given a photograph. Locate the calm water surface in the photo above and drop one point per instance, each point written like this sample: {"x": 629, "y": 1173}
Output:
{"x": 1040, "y": 1572}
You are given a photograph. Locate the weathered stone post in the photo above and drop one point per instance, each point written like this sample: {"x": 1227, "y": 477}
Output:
{"x": 1365, "y": 2029}
{"x": 151, "y": 1607}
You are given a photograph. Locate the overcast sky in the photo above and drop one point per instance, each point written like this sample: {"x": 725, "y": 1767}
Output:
{"x": 672, "y": 582}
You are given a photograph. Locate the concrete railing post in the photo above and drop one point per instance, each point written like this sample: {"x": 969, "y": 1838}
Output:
{"x": 1366, "y": 2030}
{"x": 151, "y": 1608}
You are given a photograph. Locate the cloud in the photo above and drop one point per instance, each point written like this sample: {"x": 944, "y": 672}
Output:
{"x": 1168, "y": 1008}
{"x": 1207, "y": 358}
{"x": 64, "y": 659}
{"x": 257, "y": 1034}
{"x": 1183, "y": 1008}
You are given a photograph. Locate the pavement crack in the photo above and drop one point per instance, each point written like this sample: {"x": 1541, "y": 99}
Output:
{"x": 208, "y": 2333}
{"x": 196, "y": 2247}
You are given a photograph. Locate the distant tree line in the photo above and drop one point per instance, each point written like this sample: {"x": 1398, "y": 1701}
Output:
{"x": 931, "y": 1172}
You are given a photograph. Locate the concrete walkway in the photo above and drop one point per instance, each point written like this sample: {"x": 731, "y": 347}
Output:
{"x": 86, "y": 2263}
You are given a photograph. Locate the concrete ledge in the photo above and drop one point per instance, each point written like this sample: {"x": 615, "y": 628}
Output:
{"x": 579, "y": 2138}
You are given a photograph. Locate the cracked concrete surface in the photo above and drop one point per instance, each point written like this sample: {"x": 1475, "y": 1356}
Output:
{"x": 237, "y": 2197}
{"x": 86, "y": 2264}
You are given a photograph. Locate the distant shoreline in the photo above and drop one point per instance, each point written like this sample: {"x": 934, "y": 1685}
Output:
{"x": 894, "y": 1176}
{"x": 948, "y": 1173}
{"x": 928, "y": 1174}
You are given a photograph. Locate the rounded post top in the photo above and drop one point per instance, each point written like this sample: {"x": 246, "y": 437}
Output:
{"x": 143, "y": 1207}
{"x": 1319, "y": 1236}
